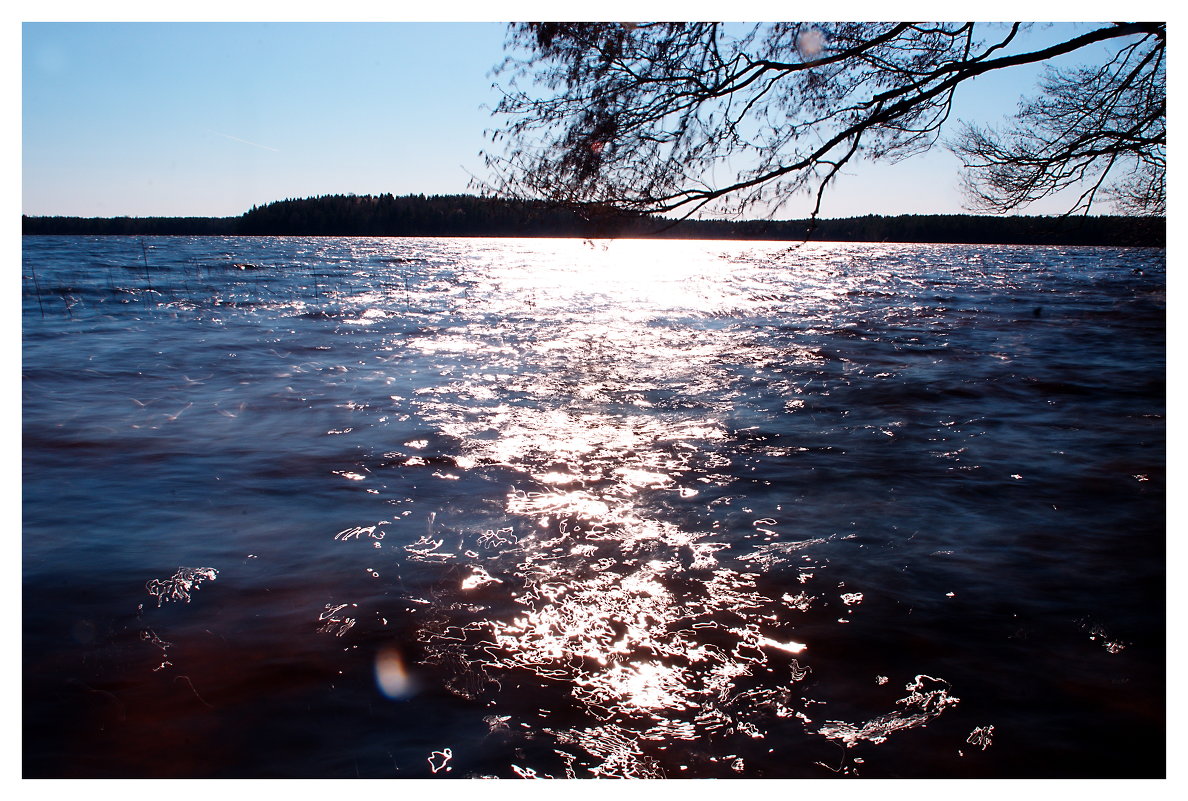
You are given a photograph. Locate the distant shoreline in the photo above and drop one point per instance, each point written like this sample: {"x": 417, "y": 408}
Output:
{"x": 470, "y": 216}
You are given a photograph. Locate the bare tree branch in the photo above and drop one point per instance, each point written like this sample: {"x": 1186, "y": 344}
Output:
{"x": 661, "y": 117}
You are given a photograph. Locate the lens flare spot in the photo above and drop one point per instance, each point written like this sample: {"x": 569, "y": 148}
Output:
{"x": 391, "y": 676}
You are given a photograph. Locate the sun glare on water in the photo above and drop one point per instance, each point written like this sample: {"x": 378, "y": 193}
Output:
{"x": 619, "y": 397}
{"x": 634, "y": 276}
{"x": 602, "y": 374}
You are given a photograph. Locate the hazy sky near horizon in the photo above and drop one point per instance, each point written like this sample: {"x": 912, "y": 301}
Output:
{"x": 210, "y": 118}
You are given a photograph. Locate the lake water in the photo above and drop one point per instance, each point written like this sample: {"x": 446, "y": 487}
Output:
{"x": 461, "y": 508}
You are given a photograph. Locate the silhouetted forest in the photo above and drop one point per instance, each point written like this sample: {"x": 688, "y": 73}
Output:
{"x": 467, "y": 215}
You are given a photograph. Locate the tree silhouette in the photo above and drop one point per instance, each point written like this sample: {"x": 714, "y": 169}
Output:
{"x": 467, "y": 215}
{"x": 670, "y": 117}
{"x": 1088, "y": 125}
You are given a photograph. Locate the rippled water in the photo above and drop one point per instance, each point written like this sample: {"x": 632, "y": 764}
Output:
{"x": 344, "y": 507}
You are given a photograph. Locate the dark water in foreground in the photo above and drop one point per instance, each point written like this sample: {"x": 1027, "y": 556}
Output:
{"x": 466, "y": 508}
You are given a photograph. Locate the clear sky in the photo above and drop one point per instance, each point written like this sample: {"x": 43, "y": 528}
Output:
{"x": 209, "y": 118}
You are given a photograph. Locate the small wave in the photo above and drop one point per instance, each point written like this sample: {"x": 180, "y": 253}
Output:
{"x": 179, "y": 586}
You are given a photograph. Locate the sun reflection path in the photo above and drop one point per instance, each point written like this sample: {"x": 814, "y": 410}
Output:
{"x": 591, "y": 377}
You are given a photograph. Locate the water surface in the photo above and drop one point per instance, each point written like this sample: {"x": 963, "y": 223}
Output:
{"x": 339, "y": 507}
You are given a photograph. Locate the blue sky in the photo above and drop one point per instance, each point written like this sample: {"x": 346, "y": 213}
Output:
{"x": 210, "y": 118}
{"x": 207, "y": 119}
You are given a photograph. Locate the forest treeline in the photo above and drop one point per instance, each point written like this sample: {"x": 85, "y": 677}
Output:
{"x": 468, "y": 215}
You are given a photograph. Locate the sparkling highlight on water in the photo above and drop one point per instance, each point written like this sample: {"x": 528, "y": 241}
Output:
{"x": 553, "y": 509}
